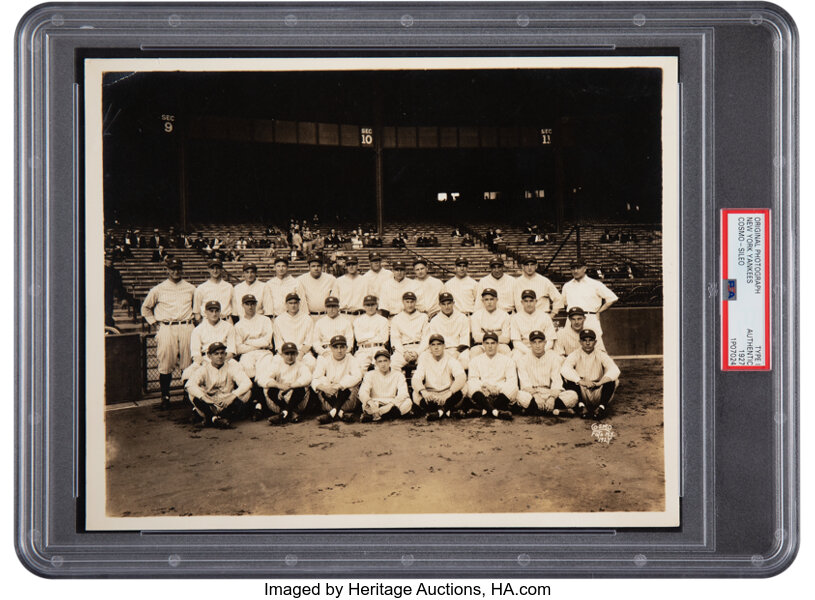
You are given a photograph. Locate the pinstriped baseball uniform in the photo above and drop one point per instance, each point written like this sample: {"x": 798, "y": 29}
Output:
{"x": 219, "y": 383}
{"x": 274, "y": 294}
{"x": 522, "y": 323}
{"x": 253, "y": 341}
{"x": 372, "y": 331}
{"x": 589, "y": 295}
{"x": 455, "y": 330}
{"x": 379, "y": 393}
{"x": 542, "y": 375}
{"x": 496, "y": 321}
{"x": 351, "y": 291}
{"x": 505, "y": 288}
{"x": 326, "y": 328}
{"x": 209, "y": 290}
{"x": 498, "y": 371}
{"x": 243, "y": 288}
{"x": 427, "y": 294}
{"x": 202, "y": 336}
{"x": 314, "y": 290}
{"x": 345, "y": 373}
{"x": 442, "y": 375}
{"x": 297, "y": 329}
{"x": 568, "y": 340}
{"x": 392, "y": 292}
{"x": 463, "y": 290}
{"x": 408, "y": 333}
{"x": 273, "y": 370}
{"x": 171, "y": 302}
{"x": 549, "y": 299}
{"x": 375, "y": 281}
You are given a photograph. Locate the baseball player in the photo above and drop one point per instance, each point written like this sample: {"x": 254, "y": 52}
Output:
{"x": 541, "y": 384}
{"x": 351, "y": 289}
{"x": 336, "y": 382}
{"x": 214, "y": 288}
{"x": 408, "y": 333}
{"x": 219, "y": 387}
{"x": 568, "y": 338}
{"x": 371, "y": 332}
{"x": 314, "y": 287}
{"x": 250, "y": 285}
{"x": 504, "y": 286}
{"x": 170, "y": 305}
{"x": 384, "y": 392}
{"x": 529, "y": 318}
{"x": 548, "y": 298}
{"x": 394, "y": 288}
{"x": 454, "y": 327}
{"x": 277, "y": 288}
{"x": 427, "y": 289}
{"x": 285, "y": 380}
{"x": 376, "y": 276}
{"x": 331, "y": 325}
{"x": 212, "y": 329}
{"x": 462, "y": 287}
{"x": 592, "y": 374}
{"x": 589, "y": 294}
{"x": 438, "y": 381}
{"x": 253, "y": 341}
{"x": 489, "y": 319}
{"x": 493, "y": 381}
{"x": 297, "y": 327}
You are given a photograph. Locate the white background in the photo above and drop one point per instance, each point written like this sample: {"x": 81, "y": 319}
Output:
{"x": 16, "y": 579}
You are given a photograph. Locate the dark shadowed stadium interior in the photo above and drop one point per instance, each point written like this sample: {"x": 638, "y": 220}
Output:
{"x": 558, "y": 164}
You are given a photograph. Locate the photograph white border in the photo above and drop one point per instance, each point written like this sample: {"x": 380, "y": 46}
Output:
{"x": 95, "y": 449}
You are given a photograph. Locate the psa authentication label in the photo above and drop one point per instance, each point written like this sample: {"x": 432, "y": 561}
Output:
{"x": 745, "y": 290}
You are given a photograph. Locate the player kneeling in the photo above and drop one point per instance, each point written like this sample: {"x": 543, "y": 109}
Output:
{"x": 592, "y": 375}
{"x": 285, "y": 380}
{"x": 541, "y": 385}
{"x": 218, "y": 388}
{"x": 493, "y": 381}
{"x": 336, "y": 382}
{"x": 438, "y": 381}
{"x": 384, "y": 393}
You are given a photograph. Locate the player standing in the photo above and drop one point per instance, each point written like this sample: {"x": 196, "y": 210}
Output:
{"x": 314, "y": 287}
{"x": 503, "y": 285}
{"x": 548, "y": 298}
{"x": 589, "y": 294}
{"x": 250, "y": 285}
{"x": 214, "y": 288}
{"x": 277, "y": 288}
{"x": 462, "y": 287}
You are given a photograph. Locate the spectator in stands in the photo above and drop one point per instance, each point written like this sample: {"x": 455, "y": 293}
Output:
{"x": 159, "y": 254}
{"x": 456, "y": 233}
{"x": 467, "y": 240}
{"x": 114, "y": 288}
{"x": 606, "y": 237}
{"x": 129, "y": 241}
{"x": 297, "y": 241}
{"x": 625, "y": 237}
{"x": 156, "y": 240}
{"x": 118, "y": 253}
{"x": 356, "y": 241}
{"x": 333, "y": 240}
{"x": 399, "y": 241}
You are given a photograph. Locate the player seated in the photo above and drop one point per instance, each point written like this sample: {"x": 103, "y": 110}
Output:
{"x": 408, "y": 333}
{"x": 489, "y": 319}
{"x": 212, "y": 329}
{"x": 218, "y": 388}
{"x": 253, "y": 341}
{"x": 568, "y": 338}
{"x": 592, "y": 374}
{"x": 285, "y": 380}
{"x": 384, "y": 392}
{"x": 541, "y": 384}
{"x": 371, "y": 331}
{"x": 336, "y": 382}
{"x": 330, "y": 326}
{"x": 438, "y": 381}
{"x": 454, "y": 327}
{"x": 528, "y": 319}
{"x": 295, "y": 326}
{"x": 493, "y": 381}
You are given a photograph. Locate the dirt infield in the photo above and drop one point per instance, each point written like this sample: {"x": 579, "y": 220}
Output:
{"x": 159, "y": 465}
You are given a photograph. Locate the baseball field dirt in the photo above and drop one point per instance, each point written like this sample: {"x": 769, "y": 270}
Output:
{"x": 160, "y": 465}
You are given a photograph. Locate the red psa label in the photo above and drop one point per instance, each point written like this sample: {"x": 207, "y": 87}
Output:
{"x": 745, "y": 290}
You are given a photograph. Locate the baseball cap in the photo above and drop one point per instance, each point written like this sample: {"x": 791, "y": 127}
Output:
{"x": 408, "y": 296}
{"x": 250, "y": 267}
{"x": 215, "y": 262}
{"x": 576, "y": 310}
{"x": 462, "y": 261}
{"x": 398, "y": 265}
{"x": 374, "y": 256}
{"x": 489, "y": 292}
{"x": 529, "y": 259}
{"x": 419, "y": 261}
{"x": 288, "y": 347}
{"x": 528, "y": 294}
{"x": 537, "y": 335}
{"x": 436, "y": 337}
{"x": 578, "y": 262}
{"x": 588, "y": 334}
{"x": 249, "y": 299}
{"x": 382, "y": 353}
{"x": 292, "y": 296}
{"x": 313, "y": 258}
{"x": 332, "y": 301}
{"x": 370, "y": 300}
{"x": 212, "y": 304}
{"x": 351, "y": 260}
{"x": 174, "y": 263}
{"x": 496, "y": 262}
{"x": 279, "y": 259}
{"x": 490, "y": 336}
{"x": 215, "y": 346}
{"x": 445, "y": 297}
{"x": 338, "y": 340}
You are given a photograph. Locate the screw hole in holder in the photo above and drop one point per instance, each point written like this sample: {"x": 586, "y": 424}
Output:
{"x": 290, "y": 560}
{"x": 290, "y": 20}
{"x": 174, "y": 560}
{"x": 174, "y": 20}
{"x": 522, "y": 20}
{"x": 757, "y": 560}
{"x": 408, "y": 560}
{"x": 756, "y": 19}
{"x": 57, "y": 561}
{"x": 640, "y": 560}
{"x": 524, "y": 560}
{"x": 639, "y": 20}
{"x": 406, "y": 21}
{"x": 58, "y": 20}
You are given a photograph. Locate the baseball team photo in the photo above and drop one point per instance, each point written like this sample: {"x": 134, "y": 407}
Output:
{"x": 384, "y": 292}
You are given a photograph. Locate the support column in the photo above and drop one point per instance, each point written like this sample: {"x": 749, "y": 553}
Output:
{"x": 182, "y": 182}
{"x": 379, "y": 179}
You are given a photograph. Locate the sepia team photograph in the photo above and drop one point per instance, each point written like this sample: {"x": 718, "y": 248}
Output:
{"x": 407, "y": 292}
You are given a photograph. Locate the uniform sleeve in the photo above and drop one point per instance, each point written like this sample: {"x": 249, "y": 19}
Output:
{"x": 308, "y": 339}
{"x": 417, "y": 381}
{"x": 503, "y": 337}
{"x": 268, "y": 300}
{"x": 515, "y": 331}
{"x": 396, "y": 336}
{"x": 277, "y": 335}
{"x": 365, "y": 388}
{"x": 195, "y": 345}
{"x": 242, "y": 381}
{"x": 349, "y": 334}
{"x": 230, "y": 339}
{"x": 459, "y": 376}
{"x": 383, "y": 330}
{"x": 423, "y": 336}
{"x": 353, "y": 376}
{"x": 197, "y": 309}
{"x": 605, "y": 293}
{"x": 555, "y": 297}
{"x": 567, "y": 370}
{"x": 556, "y": 382}
{"x": 196, "y": 385}
{"x": 303, "y": 377}
{"x": 475, "y": 327}
{"x": 474, "y": 378}
{"x": 550, "y": 332}
{"x": 611, "y": 370}
{"x": 265, "y": 372}
{"x": 464, "y": 332}
{"x": 148, "y": 305}
{"x": 319, "y": 374}
{"x": 524, "y": 376}
{"x": 241, "y": 337}
{"x": 401, "y": 388}
{"x": 510, "y": 386}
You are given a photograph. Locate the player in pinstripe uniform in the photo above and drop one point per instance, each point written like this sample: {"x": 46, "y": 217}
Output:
{"x": 454, "y": 327}
{"x": 314, "y": 287}
{"x": 285, "y": 379}
{"x": 504, "y": 286}
{"x": 438, "y": 381}
{"x": 371, "y": 331}
{"x": 463, "y": 287}
{"x": 250, "y": 285}
{"x": 428, "y": 289}
{"x": 548, "y": 298}
{"x": 276, "y": 289}
{"x": 169, "y": 304}
{"x": 592, "y": 375}
{"x": 210, "y": 330}
{"x": 297, "y": 327}
{"x": 393, "y": 288}
{"x": 214, "y": 288}
{"x": 336, "y": 382}
{"x": 568, "y": 338}
{"x": 492, "y": 382}
{"x": 408, "y": 335}
{"x": 331, "y": 325}
{"x": 489, "y": 319}
{"x": 351, "y": 289}
{"x": 253, "y": 341}
{"x": 376, "y": 276}
{"x": 541, "y": 390}
{"x": 529, "y": 318}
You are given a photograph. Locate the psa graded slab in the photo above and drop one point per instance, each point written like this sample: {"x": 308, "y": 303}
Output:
{"x": 475, "y": 292}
